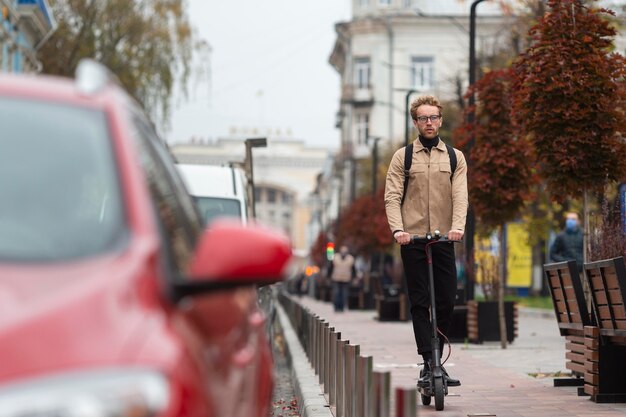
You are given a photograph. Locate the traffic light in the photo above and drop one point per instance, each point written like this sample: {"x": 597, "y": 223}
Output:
{"x": 330, "y": 251}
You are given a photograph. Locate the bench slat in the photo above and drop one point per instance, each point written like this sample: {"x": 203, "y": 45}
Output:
{"x": 619, "y": 313}
{"x": 600, "y": 296}
{"x": 611, "y": 280}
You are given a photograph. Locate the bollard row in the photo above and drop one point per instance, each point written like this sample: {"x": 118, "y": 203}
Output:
{"x": 349, "y": 380}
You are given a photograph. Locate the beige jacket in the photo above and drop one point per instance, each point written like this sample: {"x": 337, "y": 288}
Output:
{"x": 432, "y": 201}
{"x": 342, "y": 268}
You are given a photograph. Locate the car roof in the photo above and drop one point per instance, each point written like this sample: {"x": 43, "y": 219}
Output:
{"x": 55, "y": 89}
{"x": 212, "y": 180}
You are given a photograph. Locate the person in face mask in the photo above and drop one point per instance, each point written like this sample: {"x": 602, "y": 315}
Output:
{"x": 568, "y": 244}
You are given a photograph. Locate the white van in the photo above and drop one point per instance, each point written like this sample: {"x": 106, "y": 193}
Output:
{"x": 219, "y": 191}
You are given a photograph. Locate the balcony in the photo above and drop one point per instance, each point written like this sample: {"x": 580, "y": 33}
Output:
{"x": 357, "y": 95}
{"x": 37, "y": 17}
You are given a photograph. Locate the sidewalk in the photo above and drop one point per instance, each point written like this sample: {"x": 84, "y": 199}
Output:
{"x": 495, "y": 381}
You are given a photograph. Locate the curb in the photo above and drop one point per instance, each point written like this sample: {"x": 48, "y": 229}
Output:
{"x": 311, "y": 400}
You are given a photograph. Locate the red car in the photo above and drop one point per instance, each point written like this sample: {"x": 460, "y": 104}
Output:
{"x": 114, "y": 300}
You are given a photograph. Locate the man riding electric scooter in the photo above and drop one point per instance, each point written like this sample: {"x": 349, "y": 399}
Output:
{"x": 425, "y": 191}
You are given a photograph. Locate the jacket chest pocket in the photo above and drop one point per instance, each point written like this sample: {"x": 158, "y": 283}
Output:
{"x": 445, "y": 171}
{"x": 445, "y": 168}
{"x": 419, "y": 170}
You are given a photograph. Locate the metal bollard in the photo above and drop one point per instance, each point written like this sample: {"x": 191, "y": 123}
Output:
{"x": 318, "y": 347}
{"x": 332, "y": 390}
{"x": 328, "y": 352}
{"x": 339, "y": 381}
{"x": 311, "y": 344}
{"x": 314, "y": 344}
{"x": 352, "y": 351}
{"x": 364, "y": 368}
{"x": 381, "y": 393}
{"x": 316, "y": 337}
{"x": 406, "y": 402}
{"x": 323, "y": 353}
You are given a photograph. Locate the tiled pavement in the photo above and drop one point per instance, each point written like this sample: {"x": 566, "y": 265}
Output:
{"x": 495, "y": 381}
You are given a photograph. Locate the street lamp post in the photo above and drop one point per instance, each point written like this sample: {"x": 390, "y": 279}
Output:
{"x": 252, "y": 143}
{"x": 471, "y": 226}
{"x": 406, "y": 115}
{"x": 374, "y": 162}
{"x": 472, "y": 61}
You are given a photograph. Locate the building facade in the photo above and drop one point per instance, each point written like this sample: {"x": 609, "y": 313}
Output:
{"x": 26, "y": 25}
{"x": 285, "y": 177}
{"x": 393, "y": 50}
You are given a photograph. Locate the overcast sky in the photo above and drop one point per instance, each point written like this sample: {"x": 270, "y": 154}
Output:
{"x": 270, "y": 70}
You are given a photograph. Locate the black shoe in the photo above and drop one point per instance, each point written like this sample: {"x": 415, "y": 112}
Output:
{"x": 425, "y": 376}
{"x": 451, "y": 382}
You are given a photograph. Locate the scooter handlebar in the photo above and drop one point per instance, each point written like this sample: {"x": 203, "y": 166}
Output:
{"x": 431, "y": 239}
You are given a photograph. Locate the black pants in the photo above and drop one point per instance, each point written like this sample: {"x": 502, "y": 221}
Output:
{"x": 416, "y": 275}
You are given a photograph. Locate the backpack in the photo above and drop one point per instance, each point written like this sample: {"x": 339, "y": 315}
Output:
{"x": 408, "y": 160}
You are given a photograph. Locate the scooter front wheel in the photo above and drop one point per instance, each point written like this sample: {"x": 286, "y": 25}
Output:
{"x": 439, "y": 391}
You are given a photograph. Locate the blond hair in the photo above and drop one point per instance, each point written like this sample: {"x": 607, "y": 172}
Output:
{"x": 424, "y": 100}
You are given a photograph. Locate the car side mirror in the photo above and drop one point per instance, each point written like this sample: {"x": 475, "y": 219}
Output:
{"x": 230, "y": 255}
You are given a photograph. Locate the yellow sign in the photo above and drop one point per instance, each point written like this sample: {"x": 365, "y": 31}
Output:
{"x": 519, "y": 259}
{"x": 485, "y": 256}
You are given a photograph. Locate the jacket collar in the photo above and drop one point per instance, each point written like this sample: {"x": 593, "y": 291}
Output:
{"x": 418, "y": 147}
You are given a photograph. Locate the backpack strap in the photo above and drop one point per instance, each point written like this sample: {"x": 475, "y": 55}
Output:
{"x": 408, "y": 161}
{"x": 452, "y": 156}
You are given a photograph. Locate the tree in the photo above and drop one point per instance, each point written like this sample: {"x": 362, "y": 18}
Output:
{"x": 363, "y": 225}
{"x": 147, "y": 44}
{"x": 318, "y": 250}
{"x": 570, "y": 99}
{"x": 502, "y": 176}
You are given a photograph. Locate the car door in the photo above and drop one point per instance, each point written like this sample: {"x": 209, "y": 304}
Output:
{"x": 221, "y": 330}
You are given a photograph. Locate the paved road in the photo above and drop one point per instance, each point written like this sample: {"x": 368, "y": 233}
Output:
{"x": 495, "y": 381}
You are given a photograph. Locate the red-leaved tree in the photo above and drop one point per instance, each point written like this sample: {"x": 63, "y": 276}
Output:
{"x": 501, "y": 177}
{"x": 570, "y": 98}
{"x": 318, "y": 250}
{"x": 363, "y": 225}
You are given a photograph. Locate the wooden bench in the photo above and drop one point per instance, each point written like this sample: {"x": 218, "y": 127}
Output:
{"x": 605, "y": 367}
{"x": 572, "y": 316}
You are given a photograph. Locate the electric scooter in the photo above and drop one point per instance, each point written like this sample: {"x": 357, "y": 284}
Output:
{"x": 437, "y": 387}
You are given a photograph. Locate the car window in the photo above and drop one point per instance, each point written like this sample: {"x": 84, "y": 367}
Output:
{"x": 213, "y": 207}
{"x": 174, "y": 208}
{"x": 59, "y": 192}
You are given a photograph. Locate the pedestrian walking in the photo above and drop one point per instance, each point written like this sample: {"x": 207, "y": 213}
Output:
{"x": 568, "y": 244}
{"x": 433, "y": 197}
{"x": 341, "y": 272}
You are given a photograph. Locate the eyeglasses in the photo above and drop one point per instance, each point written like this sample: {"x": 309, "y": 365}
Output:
{"x": 424, "y": 119}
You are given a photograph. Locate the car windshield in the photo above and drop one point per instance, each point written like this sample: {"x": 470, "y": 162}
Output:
{"x": 212, "y": 207}
{"x": 59, "y": 192}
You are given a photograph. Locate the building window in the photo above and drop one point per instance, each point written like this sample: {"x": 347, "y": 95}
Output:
{"x": 422, "y": 72}
{"x": 364, "y": 3}
{"x": 407, "y": 3}
{"x": 362, "y": 128}
{"x": 384, "y": 2}
{"x": 271, "y": 195}
{"x": 362, "y": 72}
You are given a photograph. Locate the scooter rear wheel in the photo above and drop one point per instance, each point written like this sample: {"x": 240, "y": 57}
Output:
{"x": 439, "y": 393}
{"x": 426, "y": 399}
